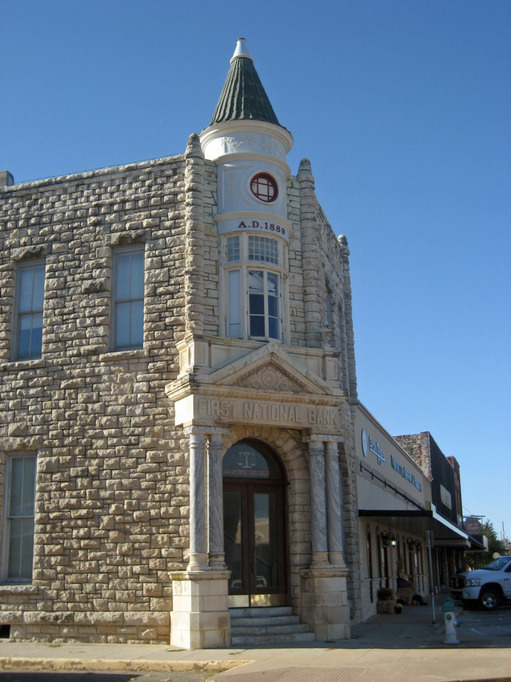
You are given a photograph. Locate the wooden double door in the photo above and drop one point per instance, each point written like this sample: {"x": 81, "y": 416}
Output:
{"x": 255, "y": 536}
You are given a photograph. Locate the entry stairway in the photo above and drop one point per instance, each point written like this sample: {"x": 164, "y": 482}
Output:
{"x": 267, "y": 625}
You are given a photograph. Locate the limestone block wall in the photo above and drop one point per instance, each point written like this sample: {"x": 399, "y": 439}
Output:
{"x": 111, "y": 508}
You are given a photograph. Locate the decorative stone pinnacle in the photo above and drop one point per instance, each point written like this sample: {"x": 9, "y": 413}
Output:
{"x": 305, "y": 167}
{"x": 193, "y": 148}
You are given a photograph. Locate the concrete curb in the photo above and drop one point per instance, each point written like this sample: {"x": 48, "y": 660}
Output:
{"x": 132, "y": 665}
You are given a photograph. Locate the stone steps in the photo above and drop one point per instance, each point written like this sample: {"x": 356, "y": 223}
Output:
{"x": 267, "y": 625}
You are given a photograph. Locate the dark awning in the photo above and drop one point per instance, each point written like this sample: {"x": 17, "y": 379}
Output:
{"x": 478, "y": 542}
{"x": 418, "y": 521}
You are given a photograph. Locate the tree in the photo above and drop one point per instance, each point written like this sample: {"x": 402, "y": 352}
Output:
{"x": 495, "y": 546}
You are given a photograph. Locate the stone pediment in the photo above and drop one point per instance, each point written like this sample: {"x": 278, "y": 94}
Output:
{"x": 270, "y": 377}
{"x": 269, "y": 369}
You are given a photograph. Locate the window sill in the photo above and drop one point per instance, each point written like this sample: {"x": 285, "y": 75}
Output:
{"x": 18, "y": 588}
{"x": 120, "y": 355}
{"x": 20, "y": 365}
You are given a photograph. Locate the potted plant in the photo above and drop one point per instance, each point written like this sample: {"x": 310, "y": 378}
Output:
{"x": 386, "y": 600}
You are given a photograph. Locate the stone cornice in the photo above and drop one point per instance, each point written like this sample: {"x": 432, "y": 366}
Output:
{"x": 247, "y": 126}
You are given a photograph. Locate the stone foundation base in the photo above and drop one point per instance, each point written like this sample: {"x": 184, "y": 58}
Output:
{"x": 200, "y": 615}
{"x": 140, "y": 627}
{"x": 325, "y": 602}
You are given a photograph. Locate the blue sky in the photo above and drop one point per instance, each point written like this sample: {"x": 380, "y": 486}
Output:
{"x": 403, "y": 108}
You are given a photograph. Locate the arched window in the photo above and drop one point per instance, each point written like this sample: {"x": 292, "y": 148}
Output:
{"x": 244, "y": 461}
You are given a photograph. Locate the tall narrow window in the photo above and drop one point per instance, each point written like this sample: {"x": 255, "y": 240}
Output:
{"x": 254, "y": 292}
{"x": 234, "y": 314}
{"x": 29, "y": 310}
{"x": 128, "y": 298}
{"x": 19, "y": 536}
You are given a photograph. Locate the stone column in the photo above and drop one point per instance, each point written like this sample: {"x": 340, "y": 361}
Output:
{"x": 324, "y": 586}
{"x": 318, "y": 504}
{"x": 198, "y": 551}
{"x": 200, "y": 610}
{"x": 215, "y": 503}
{"x": 334, "y": 504}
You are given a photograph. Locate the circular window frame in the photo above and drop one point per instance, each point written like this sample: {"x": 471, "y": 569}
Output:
{"x": 271, "y": 182}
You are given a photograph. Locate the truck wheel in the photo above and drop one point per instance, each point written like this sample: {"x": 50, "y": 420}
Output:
{"x": 490, "y": 599}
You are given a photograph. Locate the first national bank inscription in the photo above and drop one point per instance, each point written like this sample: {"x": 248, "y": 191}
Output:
{"x": 256, "y": 412}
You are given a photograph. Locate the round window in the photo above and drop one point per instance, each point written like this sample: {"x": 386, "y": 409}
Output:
{"x": 264, "y": 187}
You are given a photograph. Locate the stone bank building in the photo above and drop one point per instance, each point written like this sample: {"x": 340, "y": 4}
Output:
{"x": 178, "y": 403}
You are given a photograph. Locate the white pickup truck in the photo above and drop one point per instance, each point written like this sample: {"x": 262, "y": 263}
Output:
{"x": 489, "y": 586}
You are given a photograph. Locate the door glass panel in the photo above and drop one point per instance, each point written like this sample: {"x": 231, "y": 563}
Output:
{"x": 232, "y": 539}
{"x": 266, "y": 560}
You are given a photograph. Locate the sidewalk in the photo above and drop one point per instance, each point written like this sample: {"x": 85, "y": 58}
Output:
{"x": 400, "y": 648}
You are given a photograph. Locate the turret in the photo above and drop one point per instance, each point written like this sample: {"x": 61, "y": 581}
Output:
{"x": 249, "y": 147}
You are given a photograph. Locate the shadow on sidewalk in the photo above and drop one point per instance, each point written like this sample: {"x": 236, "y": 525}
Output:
{"x": 414, "y": 629}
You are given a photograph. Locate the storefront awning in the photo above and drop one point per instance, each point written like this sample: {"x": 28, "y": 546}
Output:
{"x": 417, "y": 522}
{"x": 478, "y": 542}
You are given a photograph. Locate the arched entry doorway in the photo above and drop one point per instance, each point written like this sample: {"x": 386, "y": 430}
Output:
{"x": 254, "y": 526}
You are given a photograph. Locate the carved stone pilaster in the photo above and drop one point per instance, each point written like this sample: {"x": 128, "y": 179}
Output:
{"x": 198, "y": 550}
{"x": 319, "y": 538}
{"x": 215, "y": 502}
{"x": 334, "y": 504}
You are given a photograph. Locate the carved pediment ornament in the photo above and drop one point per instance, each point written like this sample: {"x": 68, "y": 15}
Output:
{"x": 270, "y": 378}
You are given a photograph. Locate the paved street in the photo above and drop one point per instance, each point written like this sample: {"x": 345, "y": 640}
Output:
{"x": 494, "y": 627}
{"x": 103, "y": 677}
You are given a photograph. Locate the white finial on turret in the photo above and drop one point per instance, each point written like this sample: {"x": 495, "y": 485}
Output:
{"x": 241, "y": 50}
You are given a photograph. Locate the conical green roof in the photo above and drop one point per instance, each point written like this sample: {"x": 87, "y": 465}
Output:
{"x": 243, "y": 96}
